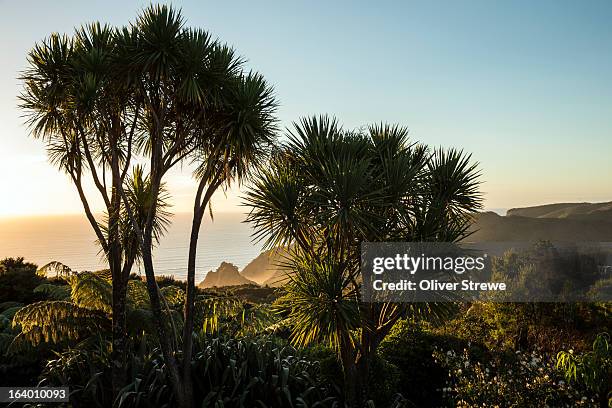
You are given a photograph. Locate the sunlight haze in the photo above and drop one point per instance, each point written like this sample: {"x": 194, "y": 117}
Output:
{"x": 528, "y": 93}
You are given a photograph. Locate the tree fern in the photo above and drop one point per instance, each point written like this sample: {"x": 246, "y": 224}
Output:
{"x": 137, "y": 295}
{"x": 91, "y": 290}
{"x": 54, "y": 269}
{"x": 54, "y": 292}
{"x": 56, "y": 322}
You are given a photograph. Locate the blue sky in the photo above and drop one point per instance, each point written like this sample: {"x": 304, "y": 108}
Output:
{"x": 526, "y": 87}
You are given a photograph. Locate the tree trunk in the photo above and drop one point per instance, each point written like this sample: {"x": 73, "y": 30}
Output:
{"x": 189, "y": 305}
{"x": 164, "y": 340}
{"x": 362, "y": 374}
{"x": 355, "y": 373}
{"x": 198, "y": 214}
{"x": 603, "y": 399}
{"x": 349, "y": 370}
{"x": 119, "y": 283}
{"x": 118, "y": 355}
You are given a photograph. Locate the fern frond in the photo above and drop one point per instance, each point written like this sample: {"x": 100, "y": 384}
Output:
{"x": 54, "y": 269}
{"x": 91, "y": 290}
{"x": 257, "y": 319}
{"x": 54, "y": 292}
{"x": 104, "y": 274}
{"x": 137, "y": 295}
{"x": 57, "y": 321}
{"x": 215, "y": 309}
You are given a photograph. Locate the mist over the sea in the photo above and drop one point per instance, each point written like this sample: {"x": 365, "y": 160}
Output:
{"x": 70, "y": 240}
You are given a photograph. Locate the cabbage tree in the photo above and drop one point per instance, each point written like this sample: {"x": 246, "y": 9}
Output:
{"x": 325, "y": 192}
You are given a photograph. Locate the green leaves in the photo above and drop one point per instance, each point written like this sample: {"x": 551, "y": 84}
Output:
{"x": 54, "y": 269}
{"x": 329, "y": 184}
{"x": 326, "y": 191}
{"x": 54, "y": 292}
{"x": 228, "y": 315}
{"x": 83, "y": 308}
{"x": 91, "y": 291}
{"x": 160, "y": 30}
{"x": 140, "y": 200}
{"x": 56, "y": 322}
{"x": 592, "y": 368}
{"x": 321, "y": 304}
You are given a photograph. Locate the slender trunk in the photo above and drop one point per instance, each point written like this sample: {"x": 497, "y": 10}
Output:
{"x": 349, "y": 371}
{"x": 189, "y": 305}
{"x": 603, "y": 398}
{"x": 119, "y": 284}
{"x": 157, "y": 172}
{"x": 162, "y": 332}
{"x": 119, "y": 332}
{"x": 198, "y": 214}
{"x": 154, "y": 295}
{"x": 363, "y": 364}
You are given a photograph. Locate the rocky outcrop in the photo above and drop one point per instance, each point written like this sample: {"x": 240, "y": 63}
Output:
{"x": 226, "y": 275}
{"x": 267, "y": 269}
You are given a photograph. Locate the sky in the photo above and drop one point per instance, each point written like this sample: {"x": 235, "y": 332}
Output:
{"x": 526, "y": 87}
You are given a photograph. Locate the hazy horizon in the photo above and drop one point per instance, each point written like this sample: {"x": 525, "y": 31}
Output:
{"x": 70, "y": 239}
{"x": 242, "y": 211}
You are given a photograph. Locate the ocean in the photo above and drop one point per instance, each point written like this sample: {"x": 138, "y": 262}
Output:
{"x": 70, "y": 240}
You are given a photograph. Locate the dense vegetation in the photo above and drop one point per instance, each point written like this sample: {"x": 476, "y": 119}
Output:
{"x": 483, "y": 354}
{"x": 106, "y": 99}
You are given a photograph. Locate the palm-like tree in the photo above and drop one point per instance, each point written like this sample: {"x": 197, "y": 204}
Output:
{"x": 236, "y": 138}
{"x": 201, "y": 106}
{"x": 156, "y": 89}
{"x": 78, "y": 102}
{"x": 326, "y": 191}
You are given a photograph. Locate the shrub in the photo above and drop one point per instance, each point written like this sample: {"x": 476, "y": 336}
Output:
{"x": 85, "y": 372}
{"x": 18, "y": 280}
{"x": 507, "y": 380}
{"x": 593, "y": 369}
{"x": 409, "y": 347}
{"x": 330, "y": 368}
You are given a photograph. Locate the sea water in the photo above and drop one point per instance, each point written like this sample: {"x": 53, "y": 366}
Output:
{"x": 70, "y": 239}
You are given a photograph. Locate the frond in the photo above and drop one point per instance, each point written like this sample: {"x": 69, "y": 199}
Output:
{"x": 214, "y": 310}
{"x": 91, "y": 291}
{"x": 257, "y": 319}
{"x": 139, "y": 193}
{"x": 319, "y": 305}
{"x": 46, "y": 95}
{"x": 54, "y": 292}
{"x": 160, "y": 28}
{"x": 137, "y": 295}
{"x": 276, "y": 197}
{"x": 54, "y": 269}
{"x": 56, "y": 322}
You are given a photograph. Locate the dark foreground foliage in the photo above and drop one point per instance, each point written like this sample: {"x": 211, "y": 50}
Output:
{"x": 227, "y": 372}
{"x": 483, "y": 354}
